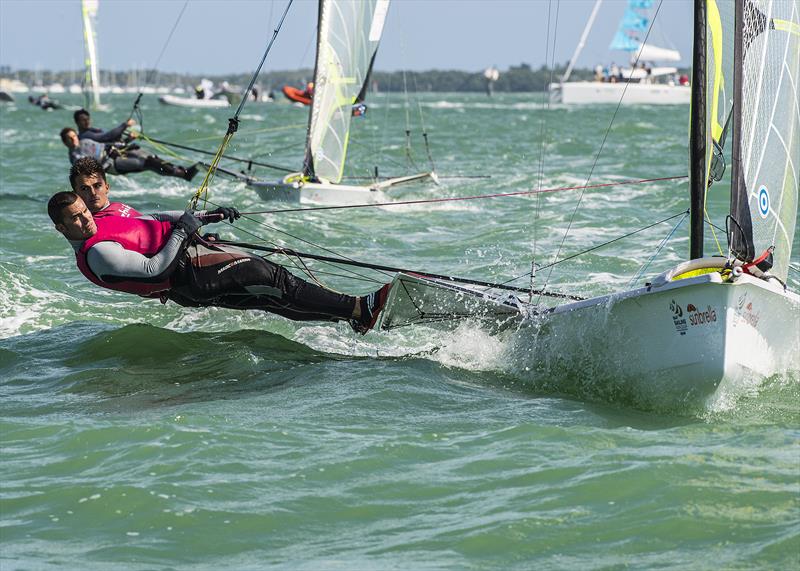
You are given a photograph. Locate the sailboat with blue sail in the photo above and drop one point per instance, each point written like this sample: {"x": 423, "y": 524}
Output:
{"x": 646, "y": 80}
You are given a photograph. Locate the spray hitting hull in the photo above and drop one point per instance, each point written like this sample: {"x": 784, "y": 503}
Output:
{"x": 676, "y": 345}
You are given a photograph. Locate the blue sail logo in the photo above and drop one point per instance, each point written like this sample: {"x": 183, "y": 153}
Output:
{"x": 763, "y": 201}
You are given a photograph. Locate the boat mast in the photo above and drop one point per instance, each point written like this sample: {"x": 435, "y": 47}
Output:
{"x": 697, "y": 134}
{"x": 582, "y": 41}
{"x": 741, "y": 232}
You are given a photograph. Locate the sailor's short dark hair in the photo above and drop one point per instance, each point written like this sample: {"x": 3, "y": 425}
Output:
{"x": 78, "y": 113}
{"x": 85, "y": 166}
{"x": 57, "y": 203}
{"x": 63, "y": 133}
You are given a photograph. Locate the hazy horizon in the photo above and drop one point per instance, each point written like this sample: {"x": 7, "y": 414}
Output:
{"x": 503, "y": 33}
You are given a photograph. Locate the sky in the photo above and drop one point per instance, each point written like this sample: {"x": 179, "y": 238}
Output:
{"x": 229, "y": 36}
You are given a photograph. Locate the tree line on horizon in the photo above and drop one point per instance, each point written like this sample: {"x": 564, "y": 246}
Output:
{"x": 520, "y": 78}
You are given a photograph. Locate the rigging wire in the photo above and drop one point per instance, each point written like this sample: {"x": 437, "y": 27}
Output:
{"x": 233, "y": 122}
{"x": 600, "y": 150}
{"x": 660, "y": 247}
{"x": 211, "y": 153}
{"x": 463, "y": 198}
{"x": 392, "y": 269}
{"x": 593, "y": 248}
{"x": 543, "y": 132}
{"x": 422, "y": 124}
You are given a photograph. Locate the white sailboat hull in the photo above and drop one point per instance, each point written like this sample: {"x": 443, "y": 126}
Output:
{"x": 190, "y": 102}
{"x": 293, "y": 189}
{"x": 679, "y": 345}
{"x": 590, "y": 92}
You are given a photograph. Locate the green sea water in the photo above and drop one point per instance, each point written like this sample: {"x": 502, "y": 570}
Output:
{"x": 144, "y": 436}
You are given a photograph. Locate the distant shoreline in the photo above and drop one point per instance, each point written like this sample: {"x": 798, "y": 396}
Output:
{"x": 517, "y": 79}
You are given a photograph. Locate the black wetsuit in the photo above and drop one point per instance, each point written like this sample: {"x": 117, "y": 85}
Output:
{"x": 224, "y": 276}
{"x": 206, "y": 274}
{"x": 126, "y": 158}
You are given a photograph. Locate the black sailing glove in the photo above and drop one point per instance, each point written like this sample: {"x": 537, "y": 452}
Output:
{"x": 189, "y": 222}
{"x": 222, "y": 213}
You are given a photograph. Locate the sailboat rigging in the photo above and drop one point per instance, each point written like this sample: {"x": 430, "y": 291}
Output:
{"x": 709, "y": 323}
{"x": 348, "y": 35}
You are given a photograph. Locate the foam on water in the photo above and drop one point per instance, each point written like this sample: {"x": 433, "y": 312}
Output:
{"x": 137, "y": 435}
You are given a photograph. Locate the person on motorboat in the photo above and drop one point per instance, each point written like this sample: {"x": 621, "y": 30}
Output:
{"x": 161, "y": 256}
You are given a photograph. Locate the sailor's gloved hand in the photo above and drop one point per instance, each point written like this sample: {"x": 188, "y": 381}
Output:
{"x": 222, "y": 213}
{"x": 189, "y": 223}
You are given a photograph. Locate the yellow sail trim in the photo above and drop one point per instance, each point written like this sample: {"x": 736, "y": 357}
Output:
{"x": 787, "y": 26}
{"x": 714, "y": 22}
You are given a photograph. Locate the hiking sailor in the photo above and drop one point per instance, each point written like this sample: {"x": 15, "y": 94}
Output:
{"x": 116, "y": 156}
{"x": 160, "y": 256}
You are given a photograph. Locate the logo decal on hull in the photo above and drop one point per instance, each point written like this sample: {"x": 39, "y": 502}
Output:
{"x": 700, "y": 317}
{"x": 745, "y": 314}
{"x": 677, "y": 317}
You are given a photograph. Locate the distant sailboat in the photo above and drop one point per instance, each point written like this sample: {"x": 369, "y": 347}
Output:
{"x": 491, "y": 75}
{"x": 348, "y": 35}
{"x": 91, "y": 82}
{"x": 710, "y": 324}
{"x": 640, "y": 85}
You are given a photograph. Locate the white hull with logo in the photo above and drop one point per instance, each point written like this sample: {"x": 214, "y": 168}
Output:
{"x": 686, "y": 342}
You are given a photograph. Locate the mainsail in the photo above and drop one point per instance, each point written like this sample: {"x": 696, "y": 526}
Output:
{"x": 766, "y": 142}
{"x": 632, "y": 28}
{"x": 349, "y": 32}
{"x": 92, "y": 78}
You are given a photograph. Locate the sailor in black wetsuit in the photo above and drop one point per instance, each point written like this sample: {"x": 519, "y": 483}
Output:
{"x": 161, "y": 256}
{"x": 44, "y": 102}
{"x": 116, "y": 155}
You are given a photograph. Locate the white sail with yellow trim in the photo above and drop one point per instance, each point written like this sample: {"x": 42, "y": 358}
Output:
{"x": 91, "y": 85}
{"x": 348, "y": 34}
{"x": 348, "y": 37}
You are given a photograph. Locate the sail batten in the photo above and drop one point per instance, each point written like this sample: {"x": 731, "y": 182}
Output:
{"x": 349, "y": 32}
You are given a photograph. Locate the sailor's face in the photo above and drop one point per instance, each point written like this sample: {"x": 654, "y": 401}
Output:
{"x": 93, "y": 190}
{"x": 77, "y": 222}
{"x": 83, "y": 122}
{"x": 72, "y": 141}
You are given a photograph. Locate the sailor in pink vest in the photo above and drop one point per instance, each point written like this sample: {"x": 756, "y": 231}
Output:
{"x": 88, "y": 180}
{"x": 161, "y": 256}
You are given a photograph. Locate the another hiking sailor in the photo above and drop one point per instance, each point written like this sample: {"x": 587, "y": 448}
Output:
{"x": 44, "y": 102}
{"x": 119, "y": 157}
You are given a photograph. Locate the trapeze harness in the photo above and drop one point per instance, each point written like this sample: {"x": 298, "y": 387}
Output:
{"x": 147, "y": 257}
